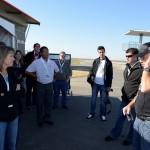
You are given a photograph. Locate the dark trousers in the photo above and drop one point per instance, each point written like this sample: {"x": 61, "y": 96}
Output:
{"x": 30, "y": 93}
{"x": 44, "y": 98}
{"x": 116, "y": 131}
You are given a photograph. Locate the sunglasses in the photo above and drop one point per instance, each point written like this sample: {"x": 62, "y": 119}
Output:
{"x": 128, "y": 56}
{"x": 62, "y": 55}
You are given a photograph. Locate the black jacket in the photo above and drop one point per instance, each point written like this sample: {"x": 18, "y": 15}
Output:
{"x": 131, "y": 82}
{"x": 20, "y": 71}
{"x": 29, "y": 58}
{"x": 108, "y": 71}
{"x": 9, "y": 102}
{"x": 142, "y": 104}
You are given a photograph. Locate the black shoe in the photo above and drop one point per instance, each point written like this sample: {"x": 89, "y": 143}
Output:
{"x": 29, "y": 108}
{"x": 54, "y": 107}
{"x": 21, "y": 112}
{"x": 40, "y": 124}
{"x": 126, "y": 142}
{"x": 49, "y": 122}
{"x": 108, "y": 138}
{"x": 33, "y": 106}
{"x": 64, "y": 107}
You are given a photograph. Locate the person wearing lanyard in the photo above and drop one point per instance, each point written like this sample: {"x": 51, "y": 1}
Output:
{"x": 43, "y": 70}
{"x": 11, "y": 92}
{"x": 61, "y": 81}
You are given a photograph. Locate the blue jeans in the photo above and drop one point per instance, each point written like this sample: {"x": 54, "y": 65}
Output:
{"x": 63, "y": 87}
{"x": 141, "y": 135}
{"x": 8, "y": 134}
{"x": 95, "y": 89}
{"x": 116, "y": 131}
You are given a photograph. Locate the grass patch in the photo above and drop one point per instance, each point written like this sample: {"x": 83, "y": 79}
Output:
{"x": 75, "y": 61}
{"x": 78, "y": 73}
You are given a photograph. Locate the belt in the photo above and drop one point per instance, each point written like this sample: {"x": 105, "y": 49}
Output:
{"x": 44, "y": 83}
{"x": 60, "y": 80}
{"x": 143, "y": 118}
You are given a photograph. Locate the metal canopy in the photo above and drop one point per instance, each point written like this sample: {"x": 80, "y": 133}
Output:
{"x": 14, "y": 15}
{"x": 139, "y": 33}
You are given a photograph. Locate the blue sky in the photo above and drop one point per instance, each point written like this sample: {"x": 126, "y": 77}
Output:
{"x": 80, "y": 26}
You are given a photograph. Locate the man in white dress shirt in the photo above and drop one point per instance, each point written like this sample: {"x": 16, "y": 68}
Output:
{"x": 43, "y": 70}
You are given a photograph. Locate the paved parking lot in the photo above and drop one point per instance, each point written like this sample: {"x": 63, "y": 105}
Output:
{"x": 72, "y": 131}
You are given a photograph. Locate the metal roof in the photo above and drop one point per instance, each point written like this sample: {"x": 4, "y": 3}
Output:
{"x": 138, "y": 32}
{"x": 15, "y": 15}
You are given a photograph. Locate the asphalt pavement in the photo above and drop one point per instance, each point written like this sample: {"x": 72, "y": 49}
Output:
{"x": 71, "y": 129}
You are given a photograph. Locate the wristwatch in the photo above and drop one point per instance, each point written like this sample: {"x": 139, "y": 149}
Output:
{"x": 147, "y": 69}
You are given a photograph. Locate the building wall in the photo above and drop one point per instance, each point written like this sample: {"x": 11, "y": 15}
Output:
{"x": 12, "y": 35}
{"x": 7, "y": 32}
{"x": 20, "y": 36}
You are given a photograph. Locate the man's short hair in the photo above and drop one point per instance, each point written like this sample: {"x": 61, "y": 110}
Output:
{"x": 134, "y": 51}
{"x": 62, "y": 52}
{"x": 101, "y": 47}
{"x": 35, "y": 45}
{"x": 42, "y": 48}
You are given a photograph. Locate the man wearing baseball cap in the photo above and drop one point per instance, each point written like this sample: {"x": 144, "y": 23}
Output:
{"x": 141, "y": 133}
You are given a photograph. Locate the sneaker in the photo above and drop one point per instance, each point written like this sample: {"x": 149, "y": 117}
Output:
{"x": 50, "y": 122}
{"x": 108, "y": 138}
{"x": 29, "y": 108}
{"x": 103, "y": 118}
{"x": 126, "y": 142}
{"x": 40, "y": 124}
{"x": 89, "y": 116}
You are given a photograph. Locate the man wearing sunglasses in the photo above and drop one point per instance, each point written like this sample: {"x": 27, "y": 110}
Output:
{"x": 141, "y": 132}
{"x": 132, "y": 79}
{"x": 62, "y": 81}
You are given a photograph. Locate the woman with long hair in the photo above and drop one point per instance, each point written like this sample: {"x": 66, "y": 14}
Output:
{"x": 18, "y": 65}
{"x": 11, "y": 92}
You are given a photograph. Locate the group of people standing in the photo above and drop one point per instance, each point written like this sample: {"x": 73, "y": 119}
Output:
{"x": 40, "y": 73}
{"x": 45, "y": 77}
{"x": 48, "y": 77}
{"x": 135, "y": 91}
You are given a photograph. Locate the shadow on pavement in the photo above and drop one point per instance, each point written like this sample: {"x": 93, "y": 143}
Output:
{"x": 82, "y": 68}
{"x": 71, "y": 129}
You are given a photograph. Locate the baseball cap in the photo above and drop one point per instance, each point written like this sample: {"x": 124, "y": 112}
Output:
{"x": 144, "y": 49}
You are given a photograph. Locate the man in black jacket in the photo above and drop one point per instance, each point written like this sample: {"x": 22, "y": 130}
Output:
{"x": 132, "y": 79}
{"x": 141, "y": 132}
{"x": 30, "y": 81}
{"x": 101, "y": 75}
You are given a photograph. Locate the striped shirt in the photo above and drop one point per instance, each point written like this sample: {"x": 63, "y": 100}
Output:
{"x": 44, "y": 70}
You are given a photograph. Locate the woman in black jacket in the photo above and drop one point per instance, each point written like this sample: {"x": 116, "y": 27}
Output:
{"x": 18, "y": 65}
{"x": 10, "y": 93}
{"x": 19, "y": 69}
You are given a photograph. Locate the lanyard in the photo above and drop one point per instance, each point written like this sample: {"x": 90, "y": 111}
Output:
{"x": 45, "y": 65}
{"x": 61, "y": 64}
